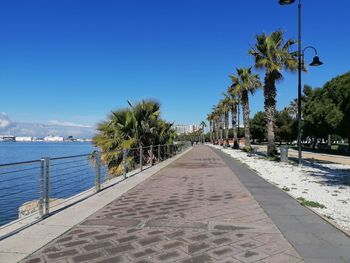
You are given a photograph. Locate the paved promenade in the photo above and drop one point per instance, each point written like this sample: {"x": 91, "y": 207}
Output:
{"x": 195, "y": 210}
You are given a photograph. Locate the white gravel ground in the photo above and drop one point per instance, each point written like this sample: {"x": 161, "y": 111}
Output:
{"x": 327, "y": 184}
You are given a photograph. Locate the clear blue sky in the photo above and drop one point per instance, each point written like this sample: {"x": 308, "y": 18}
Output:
{"x": 75, "y": 60}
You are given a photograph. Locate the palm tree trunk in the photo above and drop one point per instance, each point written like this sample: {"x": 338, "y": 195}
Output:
{"x": 226, "y": 129}
{"x": 270, "y": 112}
{"x": 238, "y": 120}
{"x": 221, "y": 130}
{"x": 216, "y": 132}
{"x": 234, "y": 125}
{"x": 211, "y": 131}
{"x": 245, "y": 105}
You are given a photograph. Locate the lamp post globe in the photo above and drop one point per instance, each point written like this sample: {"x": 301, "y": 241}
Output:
{"x": 286, "y": 2}
{"x": 316, "y": 62}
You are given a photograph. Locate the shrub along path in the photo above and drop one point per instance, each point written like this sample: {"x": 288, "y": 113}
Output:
{"x": 194, "y": 210}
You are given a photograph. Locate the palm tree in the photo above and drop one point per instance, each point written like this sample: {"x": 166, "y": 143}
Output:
{"x": 137, "y": 125}
{"x": 225, "y": 108}
{"x": 203, "y": 125}
{"x": 273, "y": 54}
{"x": 210, "y": 119}
{"x": 246, "y": 82}
{"x": 217, "y": 123}
{"x": 213, "y": 124}
{"x": 234, "y": 107}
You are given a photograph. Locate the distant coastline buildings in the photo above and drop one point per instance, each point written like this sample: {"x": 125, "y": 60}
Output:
{"x": 185, "y": 128}
{"x": 23, "y": 139}
{"x": 50, "y": 138}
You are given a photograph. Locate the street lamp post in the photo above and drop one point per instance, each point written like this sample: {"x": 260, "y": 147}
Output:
{"x": 316, "y": 62}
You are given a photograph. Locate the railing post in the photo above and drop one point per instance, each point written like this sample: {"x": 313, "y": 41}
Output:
{"x": 141, "y": 158}
{"x": 158, "y": 153}
{"x": 44, "y": 202}
{"x": 47, "y": 185}
{"x": 98, "y": 171}
{"x": 125, "y": 155}
{"x": 42, "y": 187}
{"x": 151, "y": 154}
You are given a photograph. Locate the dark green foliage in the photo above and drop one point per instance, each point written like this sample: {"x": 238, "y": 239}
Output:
{"x": 137, "y": 125}
{"x": 240, "y": 132}
{"x": 286, "y": 126}
{"x": 338, "y": 91}
{"x": 258, "y": 126}
{"x": 321, "y": 115}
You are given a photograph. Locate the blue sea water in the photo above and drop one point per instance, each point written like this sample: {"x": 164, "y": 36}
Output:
{"x": 21, "y": 183}
{"x": 11, "y": 152}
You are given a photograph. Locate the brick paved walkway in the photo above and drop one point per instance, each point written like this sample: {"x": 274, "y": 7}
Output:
{"x": 195, "y": 210}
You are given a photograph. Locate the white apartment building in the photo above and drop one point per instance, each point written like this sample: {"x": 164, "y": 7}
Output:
{"x": 184, "y": 128}
{"x": 51, "y": 138}
{"x": 24, "y": 139}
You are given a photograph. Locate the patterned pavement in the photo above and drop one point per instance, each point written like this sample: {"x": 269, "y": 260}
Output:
{"x": 194, "y": 210}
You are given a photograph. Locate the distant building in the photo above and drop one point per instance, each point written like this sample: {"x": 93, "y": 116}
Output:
{"x": 51, "y": 138}
{"x": 193, "y": 128}
{"x": 24, "y": 139}
{"x": 70, "y": 139}
{"x": 179, "y": 129}
{"x": 7, "y": 138}
{"x": 183, "y": 128}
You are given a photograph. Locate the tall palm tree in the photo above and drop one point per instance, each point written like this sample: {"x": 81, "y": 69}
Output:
{"x": 210, "y": 119}
{"x": 202, "y": 125}
{"x": 216, "y": 115}
{"x": 246, "y": 82}
{"x": 219, "y": 123}
{"x": 225, "y": 108}
{"x": 273, "y": 54}
{"x": 234, "y": 107}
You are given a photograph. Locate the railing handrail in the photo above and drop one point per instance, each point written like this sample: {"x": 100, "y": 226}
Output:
{"x": 72, "y": 156}
{"x": 19, "y": 163}
{"x": 77, "y": 156}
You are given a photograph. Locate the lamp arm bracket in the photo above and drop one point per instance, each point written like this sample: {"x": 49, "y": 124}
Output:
{"x": 309, "y": 47}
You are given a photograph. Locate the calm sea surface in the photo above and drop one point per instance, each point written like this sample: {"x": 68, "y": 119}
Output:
{"x": 11, "y": 152}
{"x": 20, "y": 184}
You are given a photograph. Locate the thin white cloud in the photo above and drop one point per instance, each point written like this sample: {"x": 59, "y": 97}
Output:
{"x": 53, "y": 127}
{"x": 4, "y": 120}
{"x": 67, "y": 123}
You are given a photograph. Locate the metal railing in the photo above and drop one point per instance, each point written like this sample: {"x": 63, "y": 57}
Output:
{"x": 30, "y": 191}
